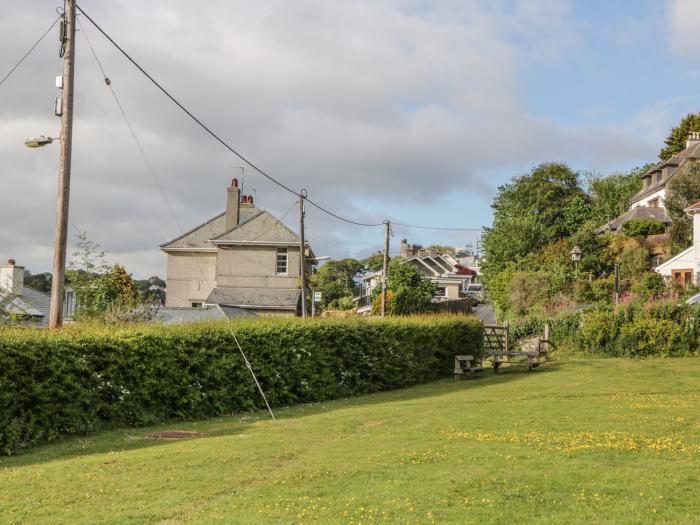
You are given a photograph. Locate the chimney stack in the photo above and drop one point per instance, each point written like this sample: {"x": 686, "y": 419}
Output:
{"x": 233, "y": 205}
{"x": 693, "y": 139}
{"x": 12, "y": 278}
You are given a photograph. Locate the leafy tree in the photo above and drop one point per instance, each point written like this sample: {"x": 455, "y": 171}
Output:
{"x": 675, "y": 142}
{"x": 374, "y": 262}
{"x": 335, "y": 279}
{"x": 100, "y": 289}
{"x": 411, "y": 292}
{"x": 610, "y": 195}
{"x": 682, "y": 191}
{"x": 535, "y": 209}
{"x": 39, "y": 281}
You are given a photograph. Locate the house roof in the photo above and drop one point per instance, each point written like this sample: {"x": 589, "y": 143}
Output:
{"x": 272, "y": 298}
{"x": 199, "y": 236}
{"x": 175, "y": 315}
{"x": 693, "y": 207}
{"x": 639, "y": 212}
{"x": 669, "y": 264}
{"x": 32, "y": 303}
{"x": 262, "y": 228}
{"x": 680, "y": 158}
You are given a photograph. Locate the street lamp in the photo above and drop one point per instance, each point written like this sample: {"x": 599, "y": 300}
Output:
{"x": 575, "y": 257}
{"x": 38, "y": 142}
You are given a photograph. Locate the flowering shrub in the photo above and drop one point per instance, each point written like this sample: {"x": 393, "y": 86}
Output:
{"x": 81, "y": 379}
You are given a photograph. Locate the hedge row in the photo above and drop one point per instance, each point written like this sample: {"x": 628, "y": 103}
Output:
{"x": 80, "y": 380}
{"x": 664, "y": 329}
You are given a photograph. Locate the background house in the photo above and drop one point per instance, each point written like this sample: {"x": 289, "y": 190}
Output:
{"x": 649, "y": 202}
{"x": 684, "y": 268}
{"x": 23, "y": 304}
{"x": 244, "y": 257}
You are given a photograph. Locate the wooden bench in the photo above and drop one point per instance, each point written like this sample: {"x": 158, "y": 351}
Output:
{"x": 466, "y": 364}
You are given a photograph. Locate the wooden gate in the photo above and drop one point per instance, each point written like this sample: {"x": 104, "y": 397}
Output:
{"x": 495, "y": 339}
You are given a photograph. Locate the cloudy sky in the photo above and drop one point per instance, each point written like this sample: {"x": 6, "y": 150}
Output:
{"x": 409, "y": 110}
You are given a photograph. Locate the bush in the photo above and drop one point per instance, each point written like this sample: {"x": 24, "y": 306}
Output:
{"x": 648, "y": 336}
{"x": 642, "y": 227}
{"x": 82, "y": 379}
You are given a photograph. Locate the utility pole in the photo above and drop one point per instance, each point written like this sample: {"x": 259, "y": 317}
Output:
{"x": 61, "y": 236}
{"x": 302, "y": 253}
{"x": 385, "y": 267}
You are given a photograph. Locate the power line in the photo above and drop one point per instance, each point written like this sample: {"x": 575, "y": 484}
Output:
{"x": 108, "y": 82}
{"x": 19, "y": 63}
{"x": 436, "y": 227}
{"x": 214, "y": 135}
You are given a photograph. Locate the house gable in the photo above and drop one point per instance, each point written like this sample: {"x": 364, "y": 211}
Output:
{"x": 262, "y": 228}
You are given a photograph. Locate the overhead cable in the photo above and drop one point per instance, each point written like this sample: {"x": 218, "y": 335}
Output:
{"x": 210, "y": 132}
{"x": 19, "y": 62}
{"x": 108, "y": 82}
{"x": 436, "y": 227}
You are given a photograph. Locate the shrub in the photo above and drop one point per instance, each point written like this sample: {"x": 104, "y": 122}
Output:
{"x": 648, "y": 336}
{"x": 80, "y": 379}
{"x": 650, "y": 284}
{"x": 642, "y": 227}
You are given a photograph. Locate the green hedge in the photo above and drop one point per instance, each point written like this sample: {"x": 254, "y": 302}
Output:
{"x": 80, "y": 380}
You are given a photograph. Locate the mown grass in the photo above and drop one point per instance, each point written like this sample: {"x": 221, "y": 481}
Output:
{"x": 605, "y": 441}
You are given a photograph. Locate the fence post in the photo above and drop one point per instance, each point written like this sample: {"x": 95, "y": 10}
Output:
{"x": 507, "y": 336}
{"x": 547, "y": 330}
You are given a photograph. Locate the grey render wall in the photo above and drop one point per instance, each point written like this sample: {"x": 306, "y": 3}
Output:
{"x": 244, "y": 266}
{"x": 191, "y": 276}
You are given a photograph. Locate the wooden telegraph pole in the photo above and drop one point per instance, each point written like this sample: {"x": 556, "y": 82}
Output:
{"x": 385, "y": 267}
{"x": 302, "y": 253}
{"x": 61, "y": 237}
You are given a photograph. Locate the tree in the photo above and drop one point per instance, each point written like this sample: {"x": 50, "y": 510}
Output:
{"x": 100, "y": 289}
{"x": 374, "y": 262}
{"x": 411, "y": 292}
{"x": 440, "y": 248}
{"x": 675, "y": 142}
{"x": 39, "y": 281}
{"x": 535, "y": 209}
{"x": 335, "y": 279}
{"x": 610, "y": 195}
{"x": 682, "y": 191}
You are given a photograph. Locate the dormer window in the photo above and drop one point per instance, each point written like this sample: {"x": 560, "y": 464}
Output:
{"x": 647, "y": 181}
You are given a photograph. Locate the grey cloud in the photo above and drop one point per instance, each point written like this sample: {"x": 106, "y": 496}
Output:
{"x": 352, "y": 100}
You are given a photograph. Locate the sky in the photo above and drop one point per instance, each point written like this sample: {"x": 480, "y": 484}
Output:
{"x": 405, "y": 110}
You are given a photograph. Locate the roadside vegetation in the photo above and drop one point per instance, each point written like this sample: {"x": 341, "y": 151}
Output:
{"x": 89, "y": 377}
{"x": 542, "y": 216}
{"x": 580, "y": 441}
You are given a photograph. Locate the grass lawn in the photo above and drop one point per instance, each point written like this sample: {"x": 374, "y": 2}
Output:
{"x": 579, "y": 441}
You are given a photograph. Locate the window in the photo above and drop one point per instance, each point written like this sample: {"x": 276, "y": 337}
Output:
{"x": 196, "y": 304}
{"x": 440, "y": 291}
{"x": 654, "y": 203}
{"x": 282, "y": 260}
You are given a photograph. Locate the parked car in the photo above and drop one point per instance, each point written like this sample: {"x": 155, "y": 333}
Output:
{"x": 476, "y": 293}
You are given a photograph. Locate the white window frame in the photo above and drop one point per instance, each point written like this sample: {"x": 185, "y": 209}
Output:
{"x": 278, "y": 253}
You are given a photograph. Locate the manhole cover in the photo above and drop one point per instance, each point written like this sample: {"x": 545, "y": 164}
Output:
{"x": 173, "y": 434}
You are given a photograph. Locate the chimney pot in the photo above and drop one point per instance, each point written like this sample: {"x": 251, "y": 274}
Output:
{"x": 11, "y": 262}
{"x": 234, "y": 183}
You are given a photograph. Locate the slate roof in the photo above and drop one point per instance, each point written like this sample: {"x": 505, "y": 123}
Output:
{"x": 32, "y": 303}
{"x": 267, "y": 298}
{"x": 640, "y": 212}
{"x": 693, "y": 207}
{"x": 260, "y": 228}
{"x": 679, "y": 159}
{"x": 199, "y": 236}
{"x": 174, "y": 315}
